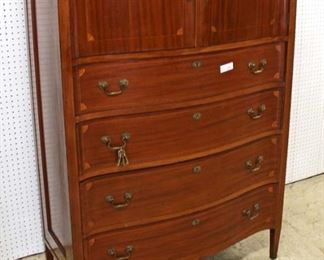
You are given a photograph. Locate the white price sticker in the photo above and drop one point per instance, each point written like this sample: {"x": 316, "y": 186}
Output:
{"x": 227, "y": 67}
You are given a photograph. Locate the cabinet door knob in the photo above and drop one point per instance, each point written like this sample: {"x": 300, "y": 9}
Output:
{"x": 105, "y": 87}
{"x": 120, "y": 205}
{"x": 257, "y": 69}
{"x": 122, "y": 159}
{"x": 255, "y": 166}
{"x": 257, "y": 113}
{"x": 128, "y": 253}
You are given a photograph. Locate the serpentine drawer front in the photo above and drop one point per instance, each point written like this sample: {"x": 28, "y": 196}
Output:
{"x": 169, "y": 137}
{"x": 174, "y": 82}
{"x": 162, "y": 125}
{"x": 161, "y": 193}
{"x": 192, "y": 236}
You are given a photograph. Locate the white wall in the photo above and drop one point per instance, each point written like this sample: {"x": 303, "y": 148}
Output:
{"x": 20, "y": 217}
{"x": 306, "y": 142}
{"x": 20, "y": 224}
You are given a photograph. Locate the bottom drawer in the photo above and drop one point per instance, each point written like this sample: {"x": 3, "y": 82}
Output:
{"x": 190, "y": 237}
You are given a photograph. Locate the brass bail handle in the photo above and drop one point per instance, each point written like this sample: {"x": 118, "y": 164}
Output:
{"x": 120, "y": 205}
{"x": 122, "y": 159}
{"x": 255, "y": 166}
{"x": 257, "y": 69}
{"x": 105, "y": 87}
{"x": 252, "y": 213}
{"x": 257, "y": 114}
{"x": 128, "y": 253}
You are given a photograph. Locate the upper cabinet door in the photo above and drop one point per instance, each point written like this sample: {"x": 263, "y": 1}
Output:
{"x": 226, "y": 21}
{"x": 124, "y": 26}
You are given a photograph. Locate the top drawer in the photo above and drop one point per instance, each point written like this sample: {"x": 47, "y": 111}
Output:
{"x": 165, "y": 83}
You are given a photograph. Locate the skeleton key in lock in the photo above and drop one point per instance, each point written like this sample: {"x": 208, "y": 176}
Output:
{"x": 122, "y": 157}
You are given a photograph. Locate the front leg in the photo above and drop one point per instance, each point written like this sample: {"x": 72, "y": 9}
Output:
{"x": 274, "y": 242}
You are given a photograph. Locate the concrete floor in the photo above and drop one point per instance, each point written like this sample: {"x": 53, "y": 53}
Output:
{"x": 303, "y": 228}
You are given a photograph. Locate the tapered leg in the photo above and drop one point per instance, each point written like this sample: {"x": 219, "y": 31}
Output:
{"x": 48, "y": 254}
{"x": 274, "y": 242}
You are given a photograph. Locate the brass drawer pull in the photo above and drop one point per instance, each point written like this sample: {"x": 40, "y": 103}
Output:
{"x": 127, "y": 196}
{"x": 257, "y": 69}
{"x": 122, "y": 159}
{"x": 128, "y": 253}
{"x": 105, "y": 86}
{"x": 252, "y": 213}
{"x": 255, "y": 166}
{"x": 257, "y": 114}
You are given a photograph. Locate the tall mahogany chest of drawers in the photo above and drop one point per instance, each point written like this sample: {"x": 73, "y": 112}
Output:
{"x": 162, "y": 125}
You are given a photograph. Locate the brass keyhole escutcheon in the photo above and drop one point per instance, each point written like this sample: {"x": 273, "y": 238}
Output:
{"x": 197, "y": 169}
{"x": 196, "y": 222}
{"x": 197, "y": 116}
{"x": 197, "y": 64}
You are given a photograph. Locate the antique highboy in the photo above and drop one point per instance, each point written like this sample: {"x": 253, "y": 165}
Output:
{"x": 162, "y": 124}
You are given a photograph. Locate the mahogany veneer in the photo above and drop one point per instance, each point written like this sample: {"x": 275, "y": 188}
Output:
{"x": 180, "y": 238}
{"x": 163, "y": 133}
{"x": 174, "y": 82}
{"x": 170, "y": 136}
{"x": 194, "y": 187}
